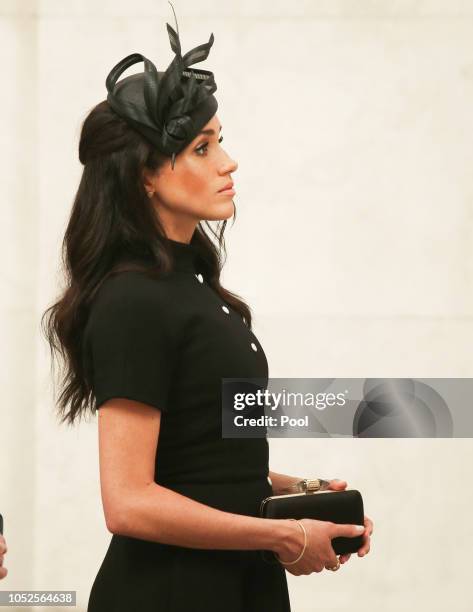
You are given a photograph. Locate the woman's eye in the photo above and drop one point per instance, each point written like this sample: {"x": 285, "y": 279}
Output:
{"x": 204, "y": 146}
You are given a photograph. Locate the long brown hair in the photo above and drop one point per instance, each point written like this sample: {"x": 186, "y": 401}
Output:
{"x": 113, "y": 227}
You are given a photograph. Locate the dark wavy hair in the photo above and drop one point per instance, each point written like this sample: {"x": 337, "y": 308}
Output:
{"x": 113, "y": 227}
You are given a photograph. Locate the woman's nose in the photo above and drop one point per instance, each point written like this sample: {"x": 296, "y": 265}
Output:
{"x": 230, "y": 166}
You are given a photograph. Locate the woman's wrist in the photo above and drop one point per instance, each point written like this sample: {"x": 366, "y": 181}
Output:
{"x": 289, "y": 539}
{"x": 283, "y": 483}
{"x": 290, "y": 486}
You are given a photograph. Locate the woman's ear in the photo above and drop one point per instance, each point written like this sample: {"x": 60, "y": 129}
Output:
{"x": 148, "y": 182}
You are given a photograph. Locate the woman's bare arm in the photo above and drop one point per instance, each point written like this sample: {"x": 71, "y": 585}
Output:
{"x": 135, "y": 506}
{"x": 281, "y": 483}
{"x": 159, "y": 514}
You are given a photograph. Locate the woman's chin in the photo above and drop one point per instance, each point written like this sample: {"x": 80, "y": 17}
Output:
{"x": 220, "y": 211}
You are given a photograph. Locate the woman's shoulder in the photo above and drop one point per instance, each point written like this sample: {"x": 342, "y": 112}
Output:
{"x": 132, "y": 292}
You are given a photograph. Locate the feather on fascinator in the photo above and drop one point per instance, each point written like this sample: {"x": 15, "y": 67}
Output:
{"x": 167, "y": 108}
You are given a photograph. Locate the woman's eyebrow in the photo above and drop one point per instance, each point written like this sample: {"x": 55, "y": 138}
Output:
{"x": 209, "y": 131}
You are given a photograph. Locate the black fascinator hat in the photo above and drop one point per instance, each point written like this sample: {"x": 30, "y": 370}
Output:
{"x": 167, "y": 108}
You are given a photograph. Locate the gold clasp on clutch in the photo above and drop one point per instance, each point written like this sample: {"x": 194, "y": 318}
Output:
{"x": 312, "y": 485}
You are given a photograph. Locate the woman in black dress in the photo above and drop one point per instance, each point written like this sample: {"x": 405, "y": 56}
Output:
{"x": 148, "y": 333}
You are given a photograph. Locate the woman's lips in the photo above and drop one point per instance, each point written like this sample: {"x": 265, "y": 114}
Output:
{"x": 227, "y": 191}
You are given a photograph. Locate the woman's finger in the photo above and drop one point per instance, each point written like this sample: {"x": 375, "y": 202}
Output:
{"x": 365, "y": 548}
{"x": 337, "y": 485}
{"x": 366, "y": 541}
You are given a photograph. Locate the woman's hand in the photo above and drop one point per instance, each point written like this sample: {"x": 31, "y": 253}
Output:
{"x": 3, "y": 550}
{"x": 365, "y": 548}
{"x": 319, "y": 553}
{"x": 340, "y": 485}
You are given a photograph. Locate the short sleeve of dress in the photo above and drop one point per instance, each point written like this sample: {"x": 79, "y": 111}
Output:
{"x": 131, "y": 342}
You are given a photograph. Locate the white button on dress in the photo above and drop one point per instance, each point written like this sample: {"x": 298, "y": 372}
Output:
{"x": 225, "y": 309}
{"x": 254, "y": 347}
{"x": 200, "y": 278}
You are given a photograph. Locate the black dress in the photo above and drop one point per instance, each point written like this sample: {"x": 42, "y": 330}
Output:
{"x": 168, "y": 343}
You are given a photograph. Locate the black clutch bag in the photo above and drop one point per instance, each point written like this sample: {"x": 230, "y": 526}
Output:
{"x": 344, "y": 507}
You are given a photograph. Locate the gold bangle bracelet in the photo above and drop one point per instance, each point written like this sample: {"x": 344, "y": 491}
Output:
{"x": 303, "y": 550}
